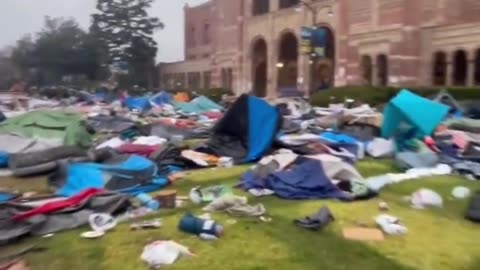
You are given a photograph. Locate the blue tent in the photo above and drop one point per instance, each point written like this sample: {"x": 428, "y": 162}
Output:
{"x": 138, "y": 103}
{"x": 247, "y": 130}
{"x": 132, "y": 175}
{"x": 198, "y": 105}
{"x": 409, "y": 111}
{"x": 161, "y": 98}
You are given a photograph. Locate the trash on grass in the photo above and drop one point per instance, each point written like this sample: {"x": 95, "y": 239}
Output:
{"x": 161, "y": 253}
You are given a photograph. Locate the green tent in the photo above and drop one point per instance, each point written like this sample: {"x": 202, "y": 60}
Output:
{"x": 66, "y": 126}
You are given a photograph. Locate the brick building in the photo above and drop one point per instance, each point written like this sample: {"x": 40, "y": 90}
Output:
{"x": 253, "y": 45}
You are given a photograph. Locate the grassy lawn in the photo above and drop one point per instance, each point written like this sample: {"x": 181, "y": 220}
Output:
{"x": 438, "y": 238}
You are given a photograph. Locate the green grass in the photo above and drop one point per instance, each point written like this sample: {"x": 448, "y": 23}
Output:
{"x": 438, "y": 238}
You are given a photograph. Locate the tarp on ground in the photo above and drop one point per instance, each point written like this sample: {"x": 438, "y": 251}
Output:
{"x": 126, "y": 174}
{"x": 141, "y": 104}
{"x": 198, "y": 105}
{"x": 247, "y": 130}
{"x": 161, "y": 98}
{"x": 420, "y": 114}
{"x": 65, "y": 126}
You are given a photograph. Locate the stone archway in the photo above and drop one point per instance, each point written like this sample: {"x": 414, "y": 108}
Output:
{"x": 322, "y": 70}
{"x": 460, "y": 68}
{"x": 439, "y": 69}
{"x": 367, "y": 69}
{"x": 287, "y": 64}
{"x": 259, "y": 67}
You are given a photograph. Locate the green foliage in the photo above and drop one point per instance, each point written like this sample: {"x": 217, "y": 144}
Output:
{"x": 380, "y": 95}
{"x": 61, "y": 49}
{"x": 125, "y": 27}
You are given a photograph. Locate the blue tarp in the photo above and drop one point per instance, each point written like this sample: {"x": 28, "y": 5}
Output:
{"x": 161, "y": 98}
{"x": 420, "y": 115}
{"x": 4, "y": 157}
{"x": 138, "y": 103}
{"x": 262, "y": 127}
{"x": 133, "y": 176}
{"x": 305, "y": 180}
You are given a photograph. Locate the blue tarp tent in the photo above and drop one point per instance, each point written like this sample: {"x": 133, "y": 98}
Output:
{"x": 420, "y": 115}
{"x": 138, "y": 103}
{"x": 247, "y": 130}
{"x": 161, "y": 98}
{"x": 132, "y": 175}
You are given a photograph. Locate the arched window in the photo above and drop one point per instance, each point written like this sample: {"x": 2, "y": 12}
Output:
{"x": 366, "y": 68}
{"x": 460, "y": 68}
{"x": 439, "y": 69}
{"x": 477, "y": 67}
{"x": 260, "y": 7}
{"x": 382, "y": 70}
{"x": 289, "y": 3}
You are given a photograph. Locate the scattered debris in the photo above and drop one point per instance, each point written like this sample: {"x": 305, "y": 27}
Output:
{"x": 461, "y": 192}
{"x": 363, "y": 234}
{"x": 161, "y": 253}
{"x": 423, "y": 198}
{"x": 316, "y": 221}
{"x": 152, "y": 224}
{"x": 390, "y": 225}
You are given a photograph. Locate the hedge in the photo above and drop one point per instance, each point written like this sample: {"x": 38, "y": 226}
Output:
{"x": 380, "y": 95}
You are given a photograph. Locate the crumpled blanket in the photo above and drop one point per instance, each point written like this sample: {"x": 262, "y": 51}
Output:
{"x": 236, "y": 206}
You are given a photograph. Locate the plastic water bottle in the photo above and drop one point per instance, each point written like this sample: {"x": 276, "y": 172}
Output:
{"x": 147, "y": 201}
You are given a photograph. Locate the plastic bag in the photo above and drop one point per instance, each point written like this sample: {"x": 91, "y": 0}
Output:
{"x": 423, "y": 198}
{"x": 161, "y": 253}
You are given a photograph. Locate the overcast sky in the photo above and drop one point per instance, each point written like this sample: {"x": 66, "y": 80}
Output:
{"x": 20, "y": 17}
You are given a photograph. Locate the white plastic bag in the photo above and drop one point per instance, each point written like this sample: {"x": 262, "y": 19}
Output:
{"x": 423, "y": 198}
{"x": 161, "y": 253}
{"x": 460, "y": 192}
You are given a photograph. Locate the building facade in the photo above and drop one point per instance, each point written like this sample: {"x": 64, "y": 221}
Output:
{"x": 254, "y": 45}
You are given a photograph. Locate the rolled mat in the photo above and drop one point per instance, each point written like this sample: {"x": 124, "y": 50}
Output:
{"x": 41, "y": 157}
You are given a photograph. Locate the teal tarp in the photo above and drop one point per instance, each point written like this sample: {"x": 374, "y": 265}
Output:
{"x": 422, "y": 115}
{"x": 198, "y": 105}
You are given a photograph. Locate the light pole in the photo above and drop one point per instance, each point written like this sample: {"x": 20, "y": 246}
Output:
{"x": 313, "y": 59}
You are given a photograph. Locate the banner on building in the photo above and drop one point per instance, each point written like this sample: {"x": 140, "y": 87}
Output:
{"x": 314, "y": 41}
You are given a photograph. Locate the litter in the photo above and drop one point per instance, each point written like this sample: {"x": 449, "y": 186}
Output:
{"x": 153, "y": 224}
{"x": 235, "y": 206}
{"x": 390, "y": 225}
{"x": 363, "y": 234}
{"x": 316, "y": 221}
{"x": 460, "y": 192}
{"x": 161, "y": 253}
{"x": 206, "y": 229}
{"x": 423, "y": 198}
{"x": 92, "y": 234}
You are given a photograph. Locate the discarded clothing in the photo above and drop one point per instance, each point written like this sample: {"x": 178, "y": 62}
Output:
{"x": 305, "y": 180}
{"x": 390, "y": 225}
{"x": 235, "y": 206}
{"x": 45, "y": 156}
{"x": 138, "y": 149}
{"x": 316, "y": 221}
{"x": 110, "y": 124}
{"x": 54, "y": 218}
{"x": 423, "y": 198}
{"x": 408, "y": 160}
{"x": 208, "y": 194}
{"x": 194, "y": 225}
{"x": 464, "y": 124}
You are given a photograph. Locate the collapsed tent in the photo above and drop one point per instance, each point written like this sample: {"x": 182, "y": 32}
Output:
{"x": 198, "y": 105}
{"x": 247, "y": 130}
{"x": 18, "y": 220}
{"x": 305, "y": 178}
{"x": 64, "y": 127}
{"x": 421, "y": 116}
{"x": 141, "y": 104}
{"x": 126, "y": 174}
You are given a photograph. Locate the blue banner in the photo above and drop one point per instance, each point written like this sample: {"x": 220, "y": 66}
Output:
{"x": 314, "y": 41}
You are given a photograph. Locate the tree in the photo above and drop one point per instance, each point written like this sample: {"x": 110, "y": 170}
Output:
{"x": 61, "y": 49}
{"x": 127, "y": 29}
